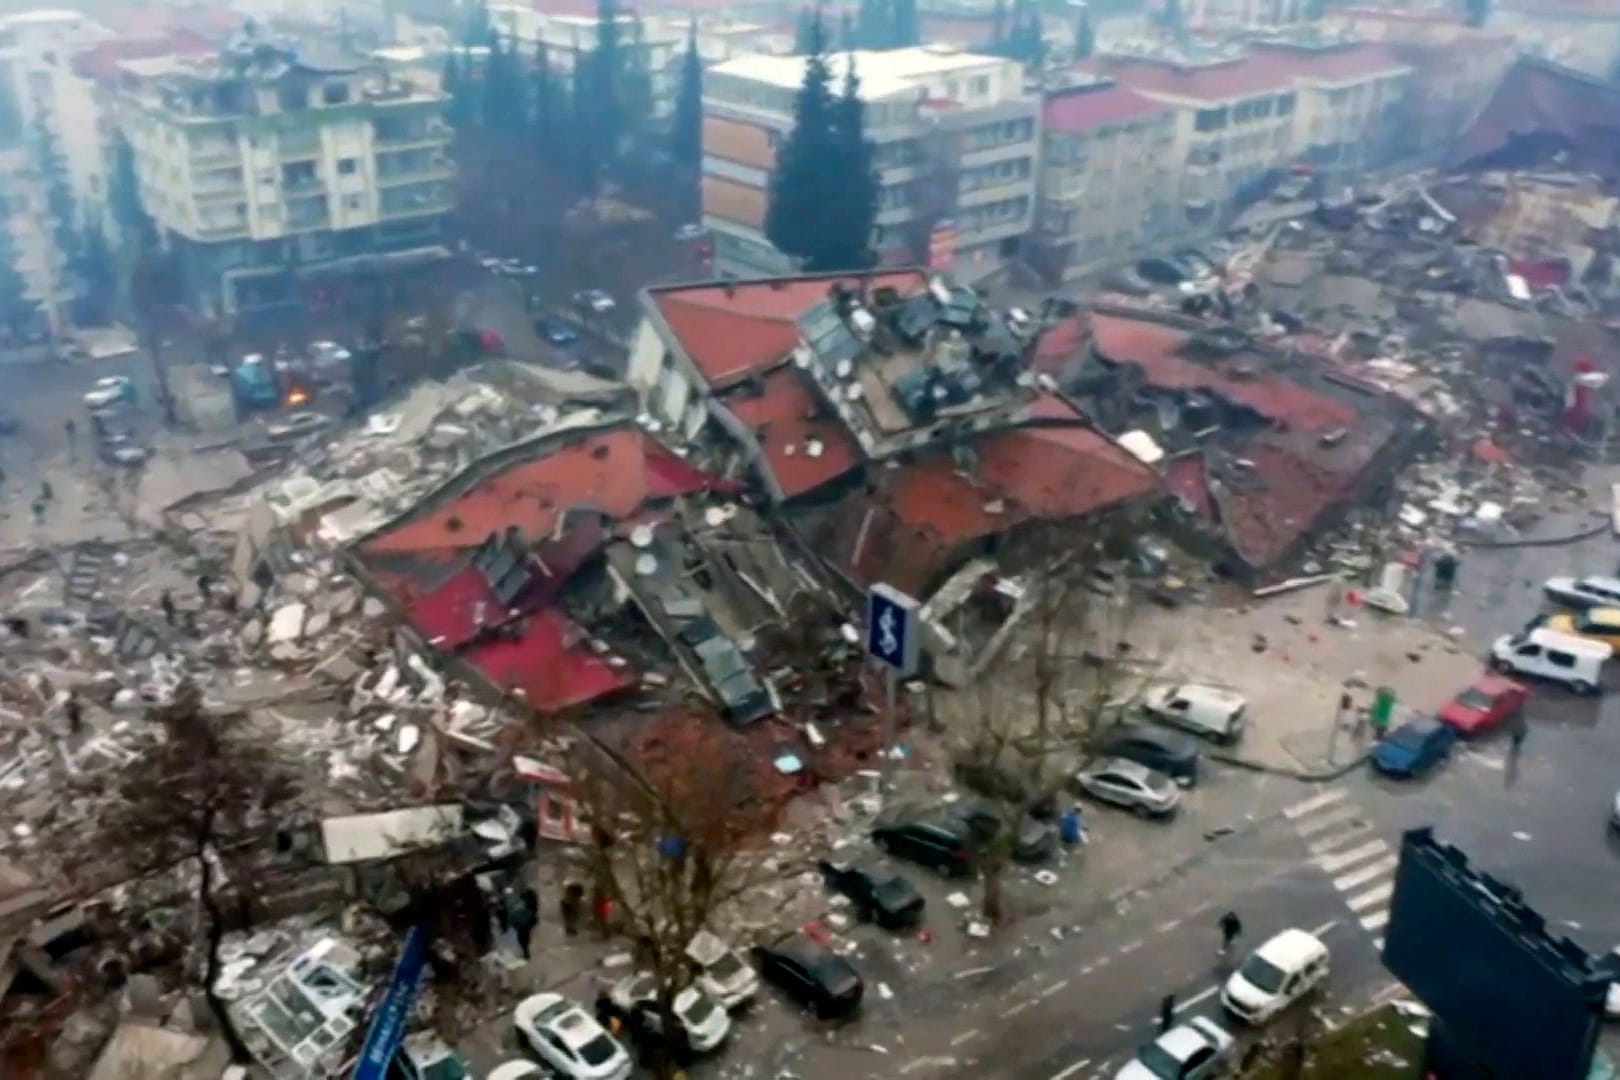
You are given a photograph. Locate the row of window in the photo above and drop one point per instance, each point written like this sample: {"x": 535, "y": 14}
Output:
{"x": 1000, "y": 172}
{"x": 1244, "y": 112}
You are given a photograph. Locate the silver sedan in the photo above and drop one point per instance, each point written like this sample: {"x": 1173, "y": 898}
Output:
{"x": 1129, "y": 784}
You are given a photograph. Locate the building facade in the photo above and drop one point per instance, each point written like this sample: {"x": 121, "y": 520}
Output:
{"x": 571, "y": 38}
{"x": 267, "y": 172}
{"x": 1108, "y": 185}
{"x": 958, "y": 148}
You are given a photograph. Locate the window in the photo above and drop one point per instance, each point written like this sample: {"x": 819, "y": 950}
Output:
{"x": 335, "y": 93}
{"x": 1210, "y": 119}
{"x": 1560, "y": 659}
{"x": 347, "y": 166}
{"x": 354, "y": 202}
{"x": 979, "y": 86}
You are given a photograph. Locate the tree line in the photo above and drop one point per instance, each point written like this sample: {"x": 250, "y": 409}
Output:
{"x": 587, "y": 116}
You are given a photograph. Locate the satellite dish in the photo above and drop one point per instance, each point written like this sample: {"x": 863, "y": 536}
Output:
{"x": 854, "y": 392}
{"x": 845, "y": 369}
{"x": 715, "y": 516}
{"x": 814, "y": 447}
{"x": 641, "y": 536}
{"x": 801, "y": 357}
{"x": 646, "y": 565}
{"x": 549, "y": 414}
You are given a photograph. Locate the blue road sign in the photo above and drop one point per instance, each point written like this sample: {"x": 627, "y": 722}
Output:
{"x": 891, "y": 629}
{"x": 388, "y": 1025}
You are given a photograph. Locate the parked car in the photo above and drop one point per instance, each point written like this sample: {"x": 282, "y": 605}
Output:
{"x": 811, "y": 974}
{"x": 1610, "y": 965}
{"x": 1129, "y": 784}
{"x": 425, "y": 1056}
{"x": 1614, "y": 812}
{"x": 1162, "y": 751}
{"x": 1596, "y": 623}
{"x": 929, "y": 838}
{"x": 1197, "y": 1050}
{"x": 569, "y": 1040}
{"x": 1547, "y": 654}
{"x": 706, "y": 1023}
{"x": 595, "y": 301}
{"x": 887, "y": 899}
{"x": 555, "y": 331}
{"x": 517, "y": 1070}
{"x": 1277, "y": 974}
{"x": 721, "y": 971}
{"x": 106, "y": 391}
{"x": 1206, "y": 711}
{"x": 1583, "y": 592}
{"x": 1414, "y": 747}
{"x": 1035, "y": 841}
{"x": 1487, "y": 702}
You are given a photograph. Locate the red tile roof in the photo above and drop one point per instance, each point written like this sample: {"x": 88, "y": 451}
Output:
{"x": 925, "y": 513}
{"x": 614, "y": 472}
{"x": 1540, "y": 98}
{"x": 785, "y": 415}
{"x": 1347, "y": 64}
{"x": 738, "y": 329}
{"x": 1158, "y": 350}
{"x": 551, "y": 673}
{"x": 1083, "y": 109}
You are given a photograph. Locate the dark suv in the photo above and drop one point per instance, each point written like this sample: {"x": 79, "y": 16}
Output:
{"x": 937, "y": 841}
{"x": 1168, "y": 752}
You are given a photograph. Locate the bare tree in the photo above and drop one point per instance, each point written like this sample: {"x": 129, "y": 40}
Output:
{"x": 675, "y": 821}
{"x": 202, "y": 795}
{"x": 1019, "y": 733}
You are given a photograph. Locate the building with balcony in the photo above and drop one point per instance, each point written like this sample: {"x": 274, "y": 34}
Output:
{"x": 570, "y": 38}
{"x": 1108, "y": 184}
{"x": 268, "y": 171}
{"x": 55, "y": 129}
{"x": 958, "y": 147}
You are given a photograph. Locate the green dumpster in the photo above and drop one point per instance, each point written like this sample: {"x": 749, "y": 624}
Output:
{"x": 1383, "y": 708}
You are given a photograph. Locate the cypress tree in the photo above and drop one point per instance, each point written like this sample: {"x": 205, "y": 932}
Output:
{"x": 907, "y": 28}
{"x": 1085, "y": 37}
{"x": 804, "y": 32}
{"x": 998, "y": 27}
{"x": 1479, "y": 12}
{"x": 477, "y": 30}
{"x": 584, "y": 139}
{"x": 634, "y": 84}
{"x": 687, "y": 133}
{"x": 804, "y": 186}
{"x": 872, "y": 24}
{"x": 851, "y": 226}
{"x": 606, "y": 66}
{"x": 544, "y": 98}
{"x": 18, "y": 312}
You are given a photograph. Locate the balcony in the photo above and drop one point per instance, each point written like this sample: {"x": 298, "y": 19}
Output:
{"x": 400, "y": 137}
{"x": 221, "y": 228}
{"x": 204, "y": 155}
{"x": 299, "y": 149}
{"x": 392, "y": 171}
{"x": 432, "y": 198}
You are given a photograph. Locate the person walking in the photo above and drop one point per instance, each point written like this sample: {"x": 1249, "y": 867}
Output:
{"x": 1231, "y": 927}
{"x": 75, "y": 713}
{"x": 1167, "y": 1012}
{"x": 166, "y": 602}
{"x": 525, "y": 917}
{"x": 571, "y": 906}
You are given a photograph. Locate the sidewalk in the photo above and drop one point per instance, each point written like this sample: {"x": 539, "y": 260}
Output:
{"x": 1292, "y": 665}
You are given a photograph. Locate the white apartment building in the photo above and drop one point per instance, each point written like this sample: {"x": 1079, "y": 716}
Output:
{"x": 36, "y": 51}
{"x": 270, "y": 173}
{"x": 958, "y": 148}
{"x": 1244, "y": 14}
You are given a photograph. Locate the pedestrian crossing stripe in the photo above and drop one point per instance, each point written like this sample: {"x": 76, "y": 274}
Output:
{"x": 1341, "y": 844}
{"x": 1315, "y": 802}
{"x": 1333, "y": 862}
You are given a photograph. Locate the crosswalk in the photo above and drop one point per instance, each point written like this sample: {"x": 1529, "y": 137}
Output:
{"x": 1341, "y": 843}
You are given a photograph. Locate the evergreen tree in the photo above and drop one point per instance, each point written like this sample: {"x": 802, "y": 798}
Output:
{"x": 1085, "y": 37}
{"x": 1479, "y": 11}
{"x": 543, "y": 111}
{"x": 907, "y": 28}
{"x": 584, "y": 139}
{"x": 633, "y": 83}
{"x": 846, "y": 31}
{"x": 502, "y": 109}
{"x": 478, "y": 29}
{"x": 18, "y": 313}
{"x": 606, "y": 66}
{"x": 11, "y": 123}
{"x": 59, "y": 201}
{"x": 124, "y": 196}
{"x": 804, "y": 185}
{"x": 457, "y": 87}
{"x": 823, "y": 194}
{"x": 998, "y": 26}
{"x": 873, "y": 24}
{"x": 804, "y": 31}
{"x": 1170, "y": 16}
{"x": 687, "y": 133}
{"x": 98, "y": 270}
{"x": 850, "y": 244}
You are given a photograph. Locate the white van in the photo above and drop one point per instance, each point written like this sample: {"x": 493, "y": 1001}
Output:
{"x": 1577, "y": 662}
{"x": 1203, "y": 710}
{"x": 1275, "y": 975}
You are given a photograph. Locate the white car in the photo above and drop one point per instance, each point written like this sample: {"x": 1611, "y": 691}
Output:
{"x": 516, "y": 1070}
{"x": 1275, "y": 975}
{"x": 1583, "y": 592}
{"x": 1196, "y": 1050}
{"x": 595, "y": 299}
{"x": 1203, "y": 710}
{"x": 424, "y": 1056}
{"x": 107, "y": 391}
{"x": 569, "y": 1040}
{"x": 706, "y": 1023}
{"x": 1130, "y": 784}
{"x": 721, "y": 971}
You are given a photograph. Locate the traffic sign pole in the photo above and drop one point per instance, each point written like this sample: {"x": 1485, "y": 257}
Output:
{"x": 891, "y": 640}
{"x": 891, "y": 680}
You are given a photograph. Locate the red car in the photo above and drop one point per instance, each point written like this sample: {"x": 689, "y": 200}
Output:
{"x": 1488, "y": 701}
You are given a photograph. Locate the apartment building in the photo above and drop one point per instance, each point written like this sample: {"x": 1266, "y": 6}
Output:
{"x": 1108, "y": 185}
{"x": 1245, "y": 112}
{"x": 55, "y": 126}
{"x": 1246, "y": 14}
{"x": 269, "y": 171}
{"x": 957, "y": 150}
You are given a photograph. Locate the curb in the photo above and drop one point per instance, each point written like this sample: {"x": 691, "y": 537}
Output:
{"x": 1305, "y": 775}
